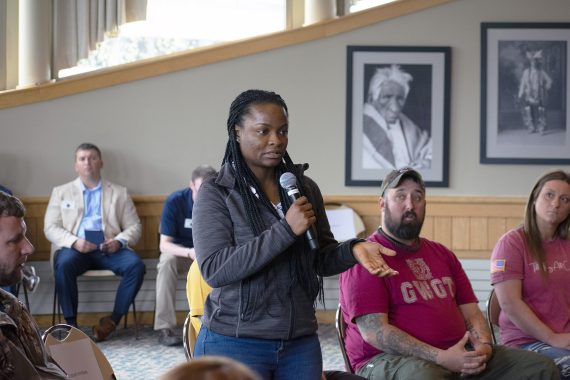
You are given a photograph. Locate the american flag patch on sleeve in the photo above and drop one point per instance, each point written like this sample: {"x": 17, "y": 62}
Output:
{"x": 498, "y": 265}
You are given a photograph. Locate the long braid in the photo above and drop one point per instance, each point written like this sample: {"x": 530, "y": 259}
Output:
{"x": 302, "y": 263}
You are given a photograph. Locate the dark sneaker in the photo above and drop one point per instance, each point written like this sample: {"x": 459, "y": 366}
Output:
{"x": 168, "y": 338}
{"x": 105, "y": 327}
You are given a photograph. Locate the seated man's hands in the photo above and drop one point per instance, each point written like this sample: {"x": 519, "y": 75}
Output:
{"x": 484, "y": 348}
{"x": 110, "y": 246}
{"x": 457, "y": 359}
{"x": 83, "y": 246}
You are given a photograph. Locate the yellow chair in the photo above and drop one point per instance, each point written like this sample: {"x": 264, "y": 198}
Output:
{"x": 197, "y": 291}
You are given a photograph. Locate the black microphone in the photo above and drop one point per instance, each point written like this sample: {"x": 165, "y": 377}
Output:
{"x": 288, "y": 181}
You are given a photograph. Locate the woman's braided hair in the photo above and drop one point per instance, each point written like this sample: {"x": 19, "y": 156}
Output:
{"x": 303, "y": 262}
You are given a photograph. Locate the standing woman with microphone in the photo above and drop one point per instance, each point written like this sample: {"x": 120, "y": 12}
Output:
{"x": 252, "y": 248}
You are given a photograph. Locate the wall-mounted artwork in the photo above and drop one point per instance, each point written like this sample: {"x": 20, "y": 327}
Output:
{"x": 397, "y": 113}
{"x": 524, "y": 93}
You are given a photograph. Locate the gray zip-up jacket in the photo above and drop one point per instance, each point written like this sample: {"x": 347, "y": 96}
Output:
{"x": 254, "y": 293}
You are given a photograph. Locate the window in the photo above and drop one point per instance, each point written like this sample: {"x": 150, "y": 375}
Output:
{"x": 360, "y": 5}
{"x": 177, "y": 25}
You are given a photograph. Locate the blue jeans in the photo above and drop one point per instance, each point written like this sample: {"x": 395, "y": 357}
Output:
{"x": 560, "y": 356}
{"x": 298, "y": 359}
{"x": 70, "y": 263}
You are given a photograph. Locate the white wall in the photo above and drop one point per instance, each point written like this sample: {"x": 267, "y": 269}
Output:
{"x": 153, "y": 132}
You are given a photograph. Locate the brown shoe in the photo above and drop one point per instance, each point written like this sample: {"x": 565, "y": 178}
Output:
{"x": 105, "y": 327}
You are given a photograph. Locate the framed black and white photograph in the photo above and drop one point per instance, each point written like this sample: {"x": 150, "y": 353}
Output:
{"x": 524, "y": 93}
{"x": 397, "y": 113}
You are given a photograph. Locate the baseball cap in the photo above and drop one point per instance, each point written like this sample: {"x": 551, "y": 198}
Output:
{"x": 394, "y": 178}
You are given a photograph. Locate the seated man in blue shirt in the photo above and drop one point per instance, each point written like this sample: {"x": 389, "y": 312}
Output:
{"x": 91, "y": 224}
{"x": 177, "y": 253}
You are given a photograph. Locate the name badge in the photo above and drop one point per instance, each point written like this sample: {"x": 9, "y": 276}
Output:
{"x": 188, "y": 223}
{"x": 68, "y": 205}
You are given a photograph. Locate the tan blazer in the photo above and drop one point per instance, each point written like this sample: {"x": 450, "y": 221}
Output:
{"x": 65, "y": 212}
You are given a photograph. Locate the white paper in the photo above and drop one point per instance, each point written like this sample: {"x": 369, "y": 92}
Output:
{"x": 342, "y": 223}
{"x": 77, "y": 359}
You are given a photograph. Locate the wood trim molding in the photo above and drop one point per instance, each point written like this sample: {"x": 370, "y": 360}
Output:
{"x": 470, "y": 226}
{"x": 207, "y": 55}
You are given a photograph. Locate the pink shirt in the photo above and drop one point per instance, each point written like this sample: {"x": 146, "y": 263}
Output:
{"x": 422, "y": 300}
{"x": 549, "y": 299}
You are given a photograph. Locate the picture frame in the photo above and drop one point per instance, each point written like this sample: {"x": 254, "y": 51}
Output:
{"x": 524, "y": 93}
{"x": 386, "y": 130}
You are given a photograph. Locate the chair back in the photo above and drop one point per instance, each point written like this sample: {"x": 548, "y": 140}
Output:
{"x": 493, "y": 312}
{"x": 188, "y": 337}
{"x": 69, "y": 346}
{"x": 340, "y": 325}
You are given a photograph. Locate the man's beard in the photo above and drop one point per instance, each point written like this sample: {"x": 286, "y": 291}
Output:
{"x": 400, "y": 229}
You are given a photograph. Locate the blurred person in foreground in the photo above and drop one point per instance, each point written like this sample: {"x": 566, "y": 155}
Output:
{"x": 22, "y": 352}
{"x": 210, "y": 368}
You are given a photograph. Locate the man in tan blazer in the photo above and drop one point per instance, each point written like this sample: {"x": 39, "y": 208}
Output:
{"x": 91, "y": 224}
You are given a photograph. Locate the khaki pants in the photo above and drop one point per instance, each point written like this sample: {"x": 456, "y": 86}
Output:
{"x": 506, "y": 363}
{"x": 168, "y": 268}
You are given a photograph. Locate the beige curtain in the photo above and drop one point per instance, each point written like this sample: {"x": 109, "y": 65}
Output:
{"x": 78, "y": 25}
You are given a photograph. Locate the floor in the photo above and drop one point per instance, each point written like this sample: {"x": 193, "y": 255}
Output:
{"x": 145, "y": 359}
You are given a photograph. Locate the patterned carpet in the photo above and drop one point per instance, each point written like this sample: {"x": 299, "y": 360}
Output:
{"x": 144, "y": 358}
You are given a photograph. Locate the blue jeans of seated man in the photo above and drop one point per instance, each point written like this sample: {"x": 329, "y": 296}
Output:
{"x": 70, "y": 263}
{"x": 298, "y": 359}
{"x": 560, "y": 356}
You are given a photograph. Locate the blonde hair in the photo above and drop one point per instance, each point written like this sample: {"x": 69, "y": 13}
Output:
{"x": 210, "y": 368}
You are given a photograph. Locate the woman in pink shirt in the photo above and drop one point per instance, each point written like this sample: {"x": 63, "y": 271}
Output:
{"x": 530, "y": 270}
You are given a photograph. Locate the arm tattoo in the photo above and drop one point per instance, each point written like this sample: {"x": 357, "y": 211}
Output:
{"x": 477, "y": 327}
{"x": 392, "y": 340}
{"x": 474, "y": 333}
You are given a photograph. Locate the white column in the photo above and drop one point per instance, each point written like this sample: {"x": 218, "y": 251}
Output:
{"x": 319, "y": 10}
{"x": 3, "y": 38}
{"x": 34, "y": 50}
{"x": 12, "y": 44}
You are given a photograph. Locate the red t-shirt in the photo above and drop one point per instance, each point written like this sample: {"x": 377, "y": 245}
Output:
{"x": 422, "y": 300}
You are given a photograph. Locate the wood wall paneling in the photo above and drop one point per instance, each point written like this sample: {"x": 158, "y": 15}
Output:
{"x": 469, "y": 226}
